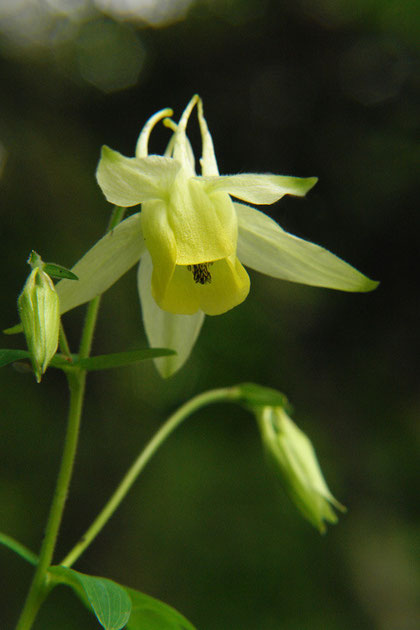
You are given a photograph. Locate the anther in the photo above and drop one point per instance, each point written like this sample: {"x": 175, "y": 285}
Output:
{"x": 201, "y": 273}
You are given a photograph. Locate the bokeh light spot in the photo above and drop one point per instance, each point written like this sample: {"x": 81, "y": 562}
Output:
{"x": 110, "y": 55}
{"x": 155, "y": 12}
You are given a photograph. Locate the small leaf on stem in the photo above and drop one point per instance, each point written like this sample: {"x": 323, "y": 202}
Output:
{"x": 108, "y": 600}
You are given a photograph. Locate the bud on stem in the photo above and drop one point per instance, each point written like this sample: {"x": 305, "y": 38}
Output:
{"x": 40, "y": 315}
{"x": 294, "y": 457}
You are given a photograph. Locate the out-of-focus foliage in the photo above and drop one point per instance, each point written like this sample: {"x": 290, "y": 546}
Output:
{"x": 309, "y": 87}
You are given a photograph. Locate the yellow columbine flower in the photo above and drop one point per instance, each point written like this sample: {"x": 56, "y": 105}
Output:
{"x": 192, "y": 238}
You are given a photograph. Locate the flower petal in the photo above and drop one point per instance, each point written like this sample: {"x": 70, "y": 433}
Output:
{"x": 102, "y": 265}
{"x": 203, "y": 227}
{"x": 228, "y": 286}
{"x": 264, "y": 246}
{"x": 260, "y": 189}
{"x": 180, "y": 296}
{"x": 163, "y": 329}
{"x": 161, "y": 244}
{"x": 129, "y": 181}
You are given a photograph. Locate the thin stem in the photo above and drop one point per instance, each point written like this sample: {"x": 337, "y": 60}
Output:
{"x": 89, "y": 327}
{"x": 18, "y": 548}
{"x": 38, "y": 589}
{"x": 64, "y": 344}
{"x": 93, "y": 308}
{"x": 116, "y": 216}
{"x": 213, "y": 396}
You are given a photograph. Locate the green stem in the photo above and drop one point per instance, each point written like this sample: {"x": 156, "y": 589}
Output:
{"x": 18, "y": 548}
{"x": 213, "y": 396}
{"x": 77, "y": 383}
{"x": 117, "y": 216}
{"x": 89, "y": 327}
{"x": 64, "y": 344}
{"x": 93, "y": 308}
{"x": 39, "y": 586}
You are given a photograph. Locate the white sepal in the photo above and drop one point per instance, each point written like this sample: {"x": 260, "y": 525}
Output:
{"x": 264, "y": 246}
{"x": 163, "y": 329}
{"x": 129, "y": 181}
{"x": 103, "y": 264}
{"x": 260, "y": 189}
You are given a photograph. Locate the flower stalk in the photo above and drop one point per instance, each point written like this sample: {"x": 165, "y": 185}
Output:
{"x": 217, "y": 395}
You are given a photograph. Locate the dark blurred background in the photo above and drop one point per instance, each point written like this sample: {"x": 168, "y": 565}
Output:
{"x": 304, "y": 87}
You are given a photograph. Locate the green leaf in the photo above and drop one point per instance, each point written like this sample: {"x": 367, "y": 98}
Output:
{"x": 62, "y": 361}
{"x": 13, "y": 330}
{"x": 150, "y": 614}
{"x": 253, "y": 395}
{"x": 9, "y": 356}
{"x": 58, "y": 271}
{"x": 119, "y": 359}
{"x": 18, "y": 548}
{"x": 109, "y": 601}
{"x": 100, "y": 362}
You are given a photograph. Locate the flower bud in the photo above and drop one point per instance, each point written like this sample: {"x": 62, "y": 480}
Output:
{"x": 294, "y": 457}
{"x": 40, "y": 315}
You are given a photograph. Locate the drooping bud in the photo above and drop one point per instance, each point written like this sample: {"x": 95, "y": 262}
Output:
{"x": 39, "y": 312}
{"x": 295, "y": 459}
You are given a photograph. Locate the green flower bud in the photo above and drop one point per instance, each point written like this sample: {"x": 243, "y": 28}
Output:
{"x": 294, "y": 457}
{"x": 40, "y": 315}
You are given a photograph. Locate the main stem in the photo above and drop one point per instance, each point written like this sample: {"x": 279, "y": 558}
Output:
{"x": 77, "y": 382}
{"x": 39, "y": 586}
{"x": 213, "y": 396}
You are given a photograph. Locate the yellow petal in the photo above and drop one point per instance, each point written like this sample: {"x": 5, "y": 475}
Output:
{"x": 227, "y": 286}
{"x": 160, "y": 241}
{"x": 205, "y": 226}
{"x": 191, "y": 226}
{"x": 180, "y": 297}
